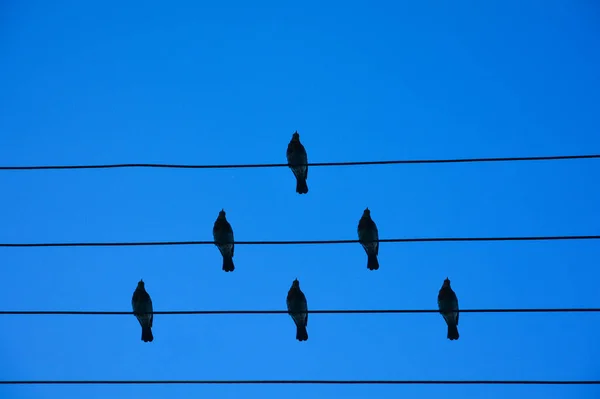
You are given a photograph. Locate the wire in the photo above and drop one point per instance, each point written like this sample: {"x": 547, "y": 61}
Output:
{"x": 379, "y": 311}
{"x": 278, "y": 165}
{"x": 438, "y": 239}
{"x": 330, "y": 382}
{"x": 336, "y": 311}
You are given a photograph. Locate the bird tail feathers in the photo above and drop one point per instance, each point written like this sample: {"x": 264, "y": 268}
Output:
{"x": 301, "y": 333}
{"x": 301, "y": 186}
{"x": 372, "y": 262}
{"x": 452, "y": 332}
{"x": 228, "y": 264}
{"x": 147, "y": 334}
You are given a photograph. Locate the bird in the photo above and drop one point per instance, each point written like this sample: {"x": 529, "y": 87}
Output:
{"x": 298, "y": 162}
{"x": 368, "y": 236}
{"x": 142, "y": 309}
{"x": 448, "y": 306}
{"x": 298, "y": 309}
{"x": 223, "y": 235}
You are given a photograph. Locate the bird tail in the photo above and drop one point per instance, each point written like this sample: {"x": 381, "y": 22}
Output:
{"x": 452, "y": 332}
{"x": 301, "y": 333}
{"x": 301, "y": 186}
{"x": 372, "y": 262}
{"x": 147, "y": 334}
{"x": 228, "y": 264}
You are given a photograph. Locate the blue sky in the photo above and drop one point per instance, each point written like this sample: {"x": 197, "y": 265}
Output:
{"x": 229, "y": 82}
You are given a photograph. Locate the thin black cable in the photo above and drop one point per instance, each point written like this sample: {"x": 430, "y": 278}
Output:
{"x": 329, "y": 382}
{"x": 334, "y": 311}
{"x": 299, "y": 242}
{"x": 278, "y": 165}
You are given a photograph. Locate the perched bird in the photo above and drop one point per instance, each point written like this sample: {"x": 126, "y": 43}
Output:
{"x": 448, "y": 305}
{"x": 368, "y": 236}
{"x": 142, "y": 309}
{"x": 298, "y": 162}
{"x": 298, "y": 309}
{"x": 223, "y": 235}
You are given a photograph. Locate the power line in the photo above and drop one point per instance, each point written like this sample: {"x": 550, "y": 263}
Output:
{"x": 335, "y": 311}
{"x": 278, "y": 165}
{"x": 329, "y": 382}
{"x": 300, "y": 242}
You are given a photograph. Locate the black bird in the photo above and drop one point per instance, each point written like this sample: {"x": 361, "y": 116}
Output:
{"x": 298, "y": 162}
{"x": 448, "y": 305}
{"x": 368, "y": 236}
{"x": 298, "y": 309}
{"x": 223, "y": 235}
{"x": 142, "y": 309}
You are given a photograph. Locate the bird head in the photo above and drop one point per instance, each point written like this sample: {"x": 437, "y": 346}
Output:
{"x": 367, "y": 212}
{"x": 222, "y": 213}
{"x": 296, "y": 284}
{"x": 296, "y": 136}
{"x": 446, "y": 283}
{"x": 140, "y": 284}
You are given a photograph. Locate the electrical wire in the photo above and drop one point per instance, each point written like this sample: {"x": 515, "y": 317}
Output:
{"x": 347, "y": 311}
{"x": 300, "y": 242}
{"x": 329, "y": 382}
{"x": 334, "y": 311}
{"x": 278, "y": 165}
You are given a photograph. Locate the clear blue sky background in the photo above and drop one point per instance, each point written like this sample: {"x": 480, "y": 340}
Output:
{"x": 229, "y": 82}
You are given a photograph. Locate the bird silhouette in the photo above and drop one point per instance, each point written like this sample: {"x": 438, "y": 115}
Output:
{"x": 368, "y": 236}
{"x": 142, "y": 309}
{"x": 223, "y": 236}
{"x": 298, "y": 162}
{"x": 298, "y": 309}
{"x": 448, "y": 306}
